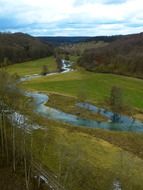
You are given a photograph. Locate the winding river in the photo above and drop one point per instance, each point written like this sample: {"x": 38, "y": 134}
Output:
{"x": 116, "y": 122}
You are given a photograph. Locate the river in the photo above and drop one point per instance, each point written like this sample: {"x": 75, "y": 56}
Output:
{"x": 115, "y": 121}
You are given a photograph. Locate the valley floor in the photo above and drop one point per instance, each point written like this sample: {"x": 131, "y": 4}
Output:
{"x": 85, "y": 159}
{"x": 91, "y": 87}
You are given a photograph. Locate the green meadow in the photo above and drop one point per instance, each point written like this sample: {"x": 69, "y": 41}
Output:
{"x": 93, "y": 87}
{"x": 33, "y": 67}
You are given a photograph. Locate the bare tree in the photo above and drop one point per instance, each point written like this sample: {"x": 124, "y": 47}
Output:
{"x": 116, "y": 99}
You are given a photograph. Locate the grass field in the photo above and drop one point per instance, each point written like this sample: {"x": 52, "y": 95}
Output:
{"x": 91, "y": 86}
{"x": 33, "y": 67}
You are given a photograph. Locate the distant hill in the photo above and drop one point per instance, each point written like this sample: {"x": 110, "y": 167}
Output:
{"x": 106, "y": 39}
{"x": 19, "y": 47}
{"x": 59, "y": 40}
{"x": 62, "y": 40}
{"x": 122, "y": 56}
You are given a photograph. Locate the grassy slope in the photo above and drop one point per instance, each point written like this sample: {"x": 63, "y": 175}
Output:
{"x": 83, "y": 161}
{"x": 83, "y": 155}
{"x": 32, "y": 67}
{"x": 95, "y": 87}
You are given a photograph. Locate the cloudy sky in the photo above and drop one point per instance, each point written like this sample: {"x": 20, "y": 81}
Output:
{"x": 72, "y": 17}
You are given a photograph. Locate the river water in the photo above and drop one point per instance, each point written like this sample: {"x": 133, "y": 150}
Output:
{"x": 115, "y": 121}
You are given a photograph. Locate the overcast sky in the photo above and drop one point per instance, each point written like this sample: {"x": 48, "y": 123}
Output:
{"x": 72, "y": 17}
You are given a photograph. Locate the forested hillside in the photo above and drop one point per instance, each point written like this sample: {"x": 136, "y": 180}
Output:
{"x": 123, "y": 56}
{"x": 19, "y": 47}
{"x": 60, "y": 40}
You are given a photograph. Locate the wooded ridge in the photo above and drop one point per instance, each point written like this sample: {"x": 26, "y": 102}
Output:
{"x": 20, "y": 47}
{"x": 122, "y": 56}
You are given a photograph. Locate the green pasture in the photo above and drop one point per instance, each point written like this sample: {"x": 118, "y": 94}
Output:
{"x": 33, "y": 67}
{"x": 91, "y": 86}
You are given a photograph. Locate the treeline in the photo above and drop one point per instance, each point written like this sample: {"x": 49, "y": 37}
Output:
{"x": 13, "y": 151}
{"x": 123, "y": 56}
{"x": 105, "y": 38}
{"x": 19, "y": 47}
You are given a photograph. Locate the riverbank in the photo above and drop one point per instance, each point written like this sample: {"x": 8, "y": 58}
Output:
{"x": 68, "y": 105}
{"x": 93, "y": 88}
{"x": 81, "y": 114}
